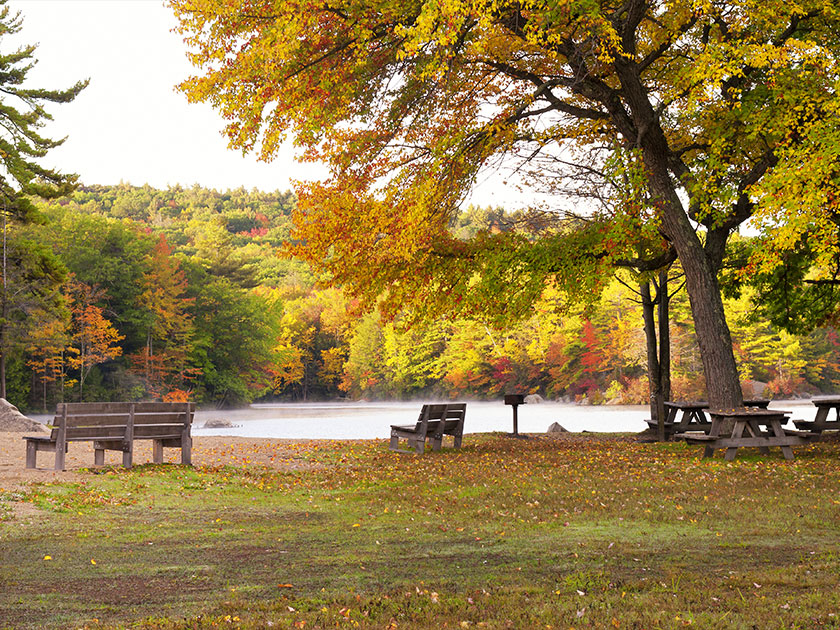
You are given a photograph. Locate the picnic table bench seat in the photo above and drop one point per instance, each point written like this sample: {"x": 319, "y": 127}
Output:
{"x": 653, "y": 425}
{"x": 114, "y": 426}
{"x": 435, "y": 421}
{"x": 693, "y": 416}
{"x": 802, "y": 433}
{"x": 821, "y": 422}
{"x": 695, "y": 437}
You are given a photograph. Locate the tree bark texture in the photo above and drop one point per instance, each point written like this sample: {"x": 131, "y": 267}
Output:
{"x": 654, "y": 368}
{"x": 664, "y": 302}
{"x": 713, "y": 337}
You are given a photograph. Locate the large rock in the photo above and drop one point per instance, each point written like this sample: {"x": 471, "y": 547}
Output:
{"x": 533, "y": 399}
{"x": 555, "y": 427}
{"x": 13, "y": 420}
{"x": 219, "y": 423}
{"x": 753, "y": 389}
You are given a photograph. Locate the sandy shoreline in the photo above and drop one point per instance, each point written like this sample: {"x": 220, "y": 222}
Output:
{"x": 207, "y": 451}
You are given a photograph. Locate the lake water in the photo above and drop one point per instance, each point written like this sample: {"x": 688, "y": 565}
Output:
{"x": 342, "y": 421}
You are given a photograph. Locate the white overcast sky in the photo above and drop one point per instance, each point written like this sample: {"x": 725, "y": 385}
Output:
{"x": 130, "y": 124}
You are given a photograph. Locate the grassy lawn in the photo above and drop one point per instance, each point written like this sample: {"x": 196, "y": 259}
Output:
{"x": 573, "y": 532}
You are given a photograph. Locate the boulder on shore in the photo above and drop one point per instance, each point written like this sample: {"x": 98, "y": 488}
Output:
{"x": 218, "y": 423}
{"x": 555, "y": 427}
{"x": 534, "y": 399}
{"x": 753, "y": 389}
{"x": 11, "y": 419}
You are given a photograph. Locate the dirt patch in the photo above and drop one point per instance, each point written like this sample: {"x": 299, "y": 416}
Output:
{"x": 122, "y": 590}
{"x": 215, "y": 451}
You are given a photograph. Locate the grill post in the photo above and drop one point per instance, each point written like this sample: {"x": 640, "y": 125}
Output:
{"x": 514, "y": 400}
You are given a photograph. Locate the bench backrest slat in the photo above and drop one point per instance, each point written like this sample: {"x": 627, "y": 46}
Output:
{"x": 109, "y": 420}
{"x": 431, "y": 415}
{"x": 119, "y": 407}
{"x": 88, "y": 420}
{"x": 117, "y": 432}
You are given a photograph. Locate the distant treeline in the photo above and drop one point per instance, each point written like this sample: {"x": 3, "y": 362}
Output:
{"x": 126, "y": 293}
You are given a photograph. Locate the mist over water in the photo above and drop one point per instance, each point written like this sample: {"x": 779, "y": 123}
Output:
{"x": 365, "y": 420}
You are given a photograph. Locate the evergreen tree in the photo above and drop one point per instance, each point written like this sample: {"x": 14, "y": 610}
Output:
{"x": 22, "y": 145}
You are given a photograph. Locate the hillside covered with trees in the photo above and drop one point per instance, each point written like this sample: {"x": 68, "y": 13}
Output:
{"x": 130, "y": 292}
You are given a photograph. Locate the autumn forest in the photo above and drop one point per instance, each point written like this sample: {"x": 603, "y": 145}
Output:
{"x": 710, "y": 199}
{"x": 124, "y": 293}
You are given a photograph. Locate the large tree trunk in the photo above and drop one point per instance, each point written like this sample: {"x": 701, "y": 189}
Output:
{"x": 722, "y": 381}
{"x": 721, "y": 373}
{"x": 643, "y": 130}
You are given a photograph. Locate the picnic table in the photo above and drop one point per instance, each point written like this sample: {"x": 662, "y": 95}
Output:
{"x": 751, "y": 426}
{"x": 693, "y": 415}
{"x": 820, "y": 423}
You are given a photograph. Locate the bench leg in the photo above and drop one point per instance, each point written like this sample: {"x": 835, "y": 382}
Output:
{"x": 99, "y": 457}
{"x": 186, "y": 451}
{"x": 60, "y": 454}
{"x": 419, "y": 446}
{"x": 31, "y": 454}
{"x": 395, "y": 443}
{"x": 157, "y": 451}
{"x": 456, "y": 441}
{"x": 128, "y": 455}
{"x": 437, "y": 442}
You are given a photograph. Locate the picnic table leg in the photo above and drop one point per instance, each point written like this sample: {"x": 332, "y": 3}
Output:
{"x": 682, "y": 425}
{"x": 755, "y": 430}
{"x": 776, "y": 429}
{"x": 737, "y": 432}
{"x": 820, "y": 418}
{"x": 709, "y": 451}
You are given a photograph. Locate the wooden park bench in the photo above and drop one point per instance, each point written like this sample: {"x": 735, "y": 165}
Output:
{"x": 114, "y": 426}
{"x": 434, "y": 422}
